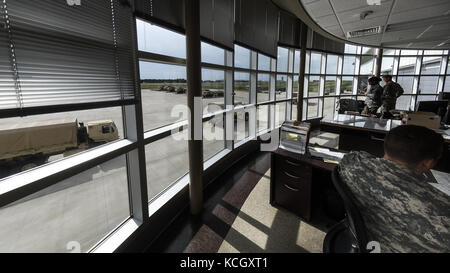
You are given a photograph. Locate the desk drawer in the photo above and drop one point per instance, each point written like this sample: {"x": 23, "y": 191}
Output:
{"x": 302, "y": 183}
{"x": 294, "y": 199}
{"x": 294, "y": 168}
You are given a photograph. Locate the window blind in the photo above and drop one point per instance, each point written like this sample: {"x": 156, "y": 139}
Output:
{"x": 67, "y": 54}
{"x": 7, "y": 84}
{"x": 216, "y": 18}
{"x": 256, "y": 25}
{"x": 217, "y": 21}
{"x": 290, "y": 29}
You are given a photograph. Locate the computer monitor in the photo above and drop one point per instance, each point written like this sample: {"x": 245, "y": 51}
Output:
{"x": 439, "y": 107}
{"x": 444, "y": 96}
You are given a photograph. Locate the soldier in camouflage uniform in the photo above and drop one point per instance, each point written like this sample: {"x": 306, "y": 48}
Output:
{"x": 391, "y": 92}
{"x": 401, "y": 210}
{"x": 373, "y": 96}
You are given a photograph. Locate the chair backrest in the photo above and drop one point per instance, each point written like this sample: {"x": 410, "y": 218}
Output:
{"x": 347, "y": 105}
{"x": 354, "y": 218}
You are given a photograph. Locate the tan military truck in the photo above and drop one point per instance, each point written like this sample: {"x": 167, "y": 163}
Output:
{"x": 26, "y": 145}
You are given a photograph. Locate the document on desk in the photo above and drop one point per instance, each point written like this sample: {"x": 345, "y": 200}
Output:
{"x": 326, "y": 154}
{"x": 443, "y": 181}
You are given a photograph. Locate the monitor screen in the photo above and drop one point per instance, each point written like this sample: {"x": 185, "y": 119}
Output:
{"x": 439, "y": 107}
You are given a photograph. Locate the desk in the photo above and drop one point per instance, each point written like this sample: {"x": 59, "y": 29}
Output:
{"x": 360, "y": 133}
{"x": 295, "y": 179}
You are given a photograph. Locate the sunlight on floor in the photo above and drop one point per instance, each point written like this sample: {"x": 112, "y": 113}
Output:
{"x": 259, "y": 227}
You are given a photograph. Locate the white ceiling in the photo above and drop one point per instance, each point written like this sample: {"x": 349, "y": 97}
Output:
{"x": 405, "y": 23}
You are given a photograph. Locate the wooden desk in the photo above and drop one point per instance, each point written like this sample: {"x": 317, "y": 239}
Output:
{"x": 293, "y": 180}
{"x": 360, "y": 133}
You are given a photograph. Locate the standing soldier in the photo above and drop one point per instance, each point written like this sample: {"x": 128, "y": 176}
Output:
{"x": 373, "y": 96}
{"x": 391, "y": 92}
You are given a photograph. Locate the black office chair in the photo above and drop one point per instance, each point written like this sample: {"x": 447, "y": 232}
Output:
{"x": 349, "y": 235}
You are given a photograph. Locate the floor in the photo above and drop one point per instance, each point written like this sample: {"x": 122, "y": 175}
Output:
{"x": 238, "y": 218}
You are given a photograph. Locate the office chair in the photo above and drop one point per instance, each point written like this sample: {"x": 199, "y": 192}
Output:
{"x": 349, "y": 235}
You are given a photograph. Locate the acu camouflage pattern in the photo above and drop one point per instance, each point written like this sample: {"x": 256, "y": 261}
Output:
{"x": 400, "y": 209}
{"x": 373, "y": 98}
{"x": 391, "y": 92}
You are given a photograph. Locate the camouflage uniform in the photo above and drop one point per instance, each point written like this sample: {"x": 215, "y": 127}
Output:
{"x": 391, "y": 92}
{"x": 373, "y": 98}
{"x": 401, "y": 210}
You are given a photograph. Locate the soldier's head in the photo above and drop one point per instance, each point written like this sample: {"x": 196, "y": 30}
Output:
{"x": 415, "y": 147}
{"x": 387, "y": 78}
{"x": 374, "y": 80}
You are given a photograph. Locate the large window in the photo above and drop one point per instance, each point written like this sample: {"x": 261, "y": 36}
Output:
{"x": 241, "y": 88}
{"x": 420, "y": 73}
{"x": 163, "y": 88}
{"x": 241, "y": 57}
{"x": 213, "y": 90}
{"x": 156, "y": 39}
{"x": 76, "y": 212}
{"x": 167, "y": 160}
{"x": 263, "y": 87}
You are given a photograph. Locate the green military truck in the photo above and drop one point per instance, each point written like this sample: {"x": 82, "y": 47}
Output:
{"x": 27, "y": 145}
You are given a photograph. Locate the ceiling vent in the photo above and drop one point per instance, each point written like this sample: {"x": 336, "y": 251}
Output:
{"x": 364, "y": 32}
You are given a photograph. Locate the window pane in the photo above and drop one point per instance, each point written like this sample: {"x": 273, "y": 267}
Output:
{"x": 407, "y": 66}
{"x": 294, "y": 110}
{"x": 241, "y": 126}
{"x": 406, "y": 82}
{"x": 316, "y": 61}
{"x": 387, "y": 65}
{"x": 262, "y": 118}
{"x": 213, "y": 88}
{"x": 347, "y": 85}
{"x": 212, "y": 54}
{"x": 313, "y": 86}
{"x": 213, "y": 137}
{"x": 362, "y": 84}
{"x": 167, "y": 160}
{"x": 280, "y": 89}
{"x": 433, "y": 52}
{"x": 403, "y": 103}
{"x": 431, "y": 66}
{"x": 368, "y": 51}
{"x": 280, "y": 113}
{"x": 295, "y": 87}
{"x": 328, "y": 108}
{"x": 297, "y": 61}
{"x": 263, "y": 87}
{"x": 163, "y": 87}
{"x": 241, "y": 88}
{"x": 366, "y": 65}
{"x": 263, "y": 62}
{"x": 83, "y": 208}
{"x": 155, "y": 39}
{"x": 330, "y": 86}
{"x": 408, "y": 52}
{"x": 349, "y": 65}
{"x": 447, "y": 84}
{"x": 350, "y": 49}
{"x": 428, "y": 85}
{"x": 332, "y": 63}
{"x": 282, "y": 60}
{"x": 389, "y": 52}
{"x": 55, "y": 136}
{"x": 313, "y": 108}
{"x": 241, "y": 57}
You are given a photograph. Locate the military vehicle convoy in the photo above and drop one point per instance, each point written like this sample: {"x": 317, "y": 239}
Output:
{"x": 27, "y": 145}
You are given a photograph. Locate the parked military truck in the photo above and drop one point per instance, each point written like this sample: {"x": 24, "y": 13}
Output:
{"x": 27, "y": 145}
